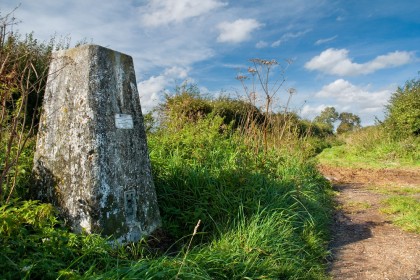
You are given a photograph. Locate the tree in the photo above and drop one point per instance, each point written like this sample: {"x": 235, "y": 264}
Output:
{"x": 403, "y": 110}
{"x": 328, "y": 117}
{"x": 349, "y": 122}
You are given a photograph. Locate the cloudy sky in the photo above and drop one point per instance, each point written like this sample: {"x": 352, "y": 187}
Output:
{"x": 350, "y": 54}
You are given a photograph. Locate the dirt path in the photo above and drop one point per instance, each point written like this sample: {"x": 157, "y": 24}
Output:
{"x": 365, "y": 244}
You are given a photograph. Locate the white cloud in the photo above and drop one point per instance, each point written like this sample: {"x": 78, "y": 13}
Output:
{"x": 309, "y": 111}
{"x": 337, "y": 62}
{"x": 326, "y": 40}
{"x": 286, "y": 37}
{"x": 347, "y": 95}
{"x": 176, "y": 72}
{"x": 150, "y": 90}
{"x": 162, "y": 12}
{"x": 237, "y": 31}
{"x": 236, "y": 66}
{"x": 261, "y": 44}
{"x": 344, "y": 96}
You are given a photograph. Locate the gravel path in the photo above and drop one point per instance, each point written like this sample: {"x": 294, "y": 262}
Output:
{"x": 365, "y": 245}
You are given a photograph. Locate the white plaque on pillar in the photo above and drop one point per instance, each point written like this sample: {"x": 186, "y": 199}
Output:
{"x": 123, "y": 121}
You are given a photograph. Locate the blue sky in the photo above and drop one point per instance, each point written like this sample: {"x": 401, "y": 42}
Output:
{"x": 350, "y": 54}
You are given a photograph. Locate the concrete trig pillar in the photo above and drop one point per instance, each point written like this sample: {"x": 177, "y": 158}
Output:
{"x": 92, "y": 160}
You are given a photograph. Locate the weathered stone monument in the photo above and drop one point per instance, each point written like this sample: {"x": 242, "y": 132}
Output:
{"x": 91, "y": 159}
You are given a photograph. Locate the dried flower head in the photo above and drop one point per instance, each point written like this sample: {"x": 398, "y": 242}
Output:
{"x": 241, "y": 77}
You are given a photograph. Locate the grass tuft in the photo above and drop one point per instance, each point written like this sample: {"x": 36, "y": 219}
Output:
{"x": 405, "y": 211}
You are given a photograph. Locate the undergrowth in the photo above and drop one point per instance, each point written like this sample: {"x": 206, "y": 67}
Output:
{"x": 263, "y": 216}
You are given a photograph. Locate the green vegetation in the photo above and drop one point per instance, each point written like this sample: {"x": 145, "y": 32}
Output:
{"x": 393, "y": 143}
{"x": 403, "y": 205}
{"x": 373, "y": 147}
{"x": 34, "y": 245}
{"x": 403, "y": 110}
{"x": 348, "y": 121}
{"x": 396, "y": 190}
{"x": 327, "y": 117}
{"x": 259, "y": 218}
{"x": 236, "y": 202}
{"x": 405, "y": 211}
{"x": 237, "y": 185}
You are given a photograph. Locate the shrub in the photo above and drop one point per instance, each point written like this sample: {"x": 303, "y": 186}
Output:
{"x": 315, "y": 129}
{"x": 403, "y": 110}
{"x": 23, "y": 74}
{"x": 235, "y": 111}
{"x": 185, "y": 105}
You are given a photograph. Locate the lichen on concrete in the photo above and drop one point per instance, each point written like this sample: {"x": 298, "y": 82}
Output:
{"x": 84, "y": 164}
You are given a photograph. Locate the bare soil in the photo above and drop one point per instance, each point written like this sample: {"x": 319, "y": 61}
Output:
{"x": 365, "y": 244}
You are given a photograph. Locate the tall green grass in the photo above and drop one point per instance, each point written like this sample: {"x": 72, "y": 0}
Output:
{"x": 373, "y": 147}
{"x": 263, "y": 216}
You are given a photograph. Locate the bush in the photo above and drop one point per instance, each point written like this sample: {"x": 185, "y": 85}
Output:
{"x": 403, "y": 110}
{"x": 23, "y": 75}
{"x": 187, "y": 104}
{"x": 235, "y": 111}
{"x": 315, "y": 129}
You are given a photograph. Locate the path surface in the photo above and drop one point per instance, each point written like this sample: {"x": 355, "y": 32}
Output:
{"x": 365, "y": 244}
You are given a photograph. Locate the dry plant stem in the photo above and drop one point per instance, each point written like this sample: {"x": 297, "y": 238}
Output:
{"x": 285, "y": 114}
{"x": 19, "y": 81}
{"x": 188, "y": 248}
{"x": 263, "y": 71}
{"x": 22, "y": 135}
{"x": 248, "y": 126}
{"x": 264, "y": 84}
